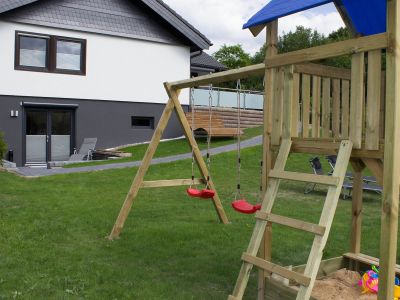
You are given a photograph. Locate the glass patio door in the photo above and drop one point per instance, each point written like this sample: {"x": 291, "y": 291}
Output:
{"x": 48, "y": 135}
{"x": 61, "y": 131}
{"x": 36, "y": 136}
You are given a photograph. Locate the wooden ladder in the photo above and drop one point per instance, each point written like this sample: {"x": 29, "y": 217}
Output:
{"x": 321, "y": 230}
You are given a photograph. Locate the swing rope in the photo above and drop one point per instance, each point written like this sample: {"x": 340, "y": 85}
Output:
{"x": 240, "y": 204}
{"x": 205, "y": 193}
{"x": 210, "y": 103}
{"x": 239, "y": 160}
{"x": 192, "y": 108}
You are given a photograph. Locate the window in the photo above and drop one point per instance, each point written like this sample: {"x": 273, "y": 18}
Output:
{"x": 143, "y": 122}
{"x": 53, "y": 54}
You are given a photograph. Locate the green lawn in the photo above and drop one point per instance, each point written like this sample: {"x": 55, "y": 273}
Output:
{"x": 53, "y": 229}
{"x": 173, "y": 147}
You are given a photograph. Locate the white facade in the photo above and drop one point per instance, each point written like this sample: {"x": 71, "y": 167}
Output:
{"x": 117, "y": 69}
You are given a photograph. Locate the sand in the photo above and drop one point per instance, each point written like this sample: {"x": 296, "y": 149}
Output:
{"x": 341, "y": 285}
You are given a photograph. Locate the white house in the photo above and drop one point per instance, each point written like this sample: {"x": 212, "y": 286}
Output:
{"x": 72, "y": 69}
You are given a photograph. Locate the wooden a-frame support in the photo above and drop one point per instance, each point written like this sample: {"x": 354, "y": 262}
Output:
{"x": 172, "y": 104}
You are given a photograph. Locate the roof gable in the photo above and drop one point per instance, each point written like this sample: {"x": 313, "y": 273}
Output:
{"x": 366, "y": 17}
{"x": 144, "y": 19}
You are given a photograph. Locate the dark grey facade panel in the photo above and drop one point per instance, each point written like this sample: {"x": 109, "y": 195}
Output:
{"x": 109, "y": 121}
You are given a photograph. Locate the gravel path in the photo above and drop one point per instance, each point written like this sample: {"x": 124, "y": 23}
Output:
{"x": 32, "y": 172}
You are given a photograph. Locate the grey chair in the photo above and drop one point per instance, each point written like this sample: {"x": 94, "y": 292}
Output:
{"x": 86, "y": 150}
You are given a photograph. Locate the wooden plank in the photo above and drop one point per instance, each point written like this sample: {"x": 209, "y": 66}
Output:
{"x": 316, "y": 107}
{"x": 327, "y": 266}
{"x": 173, "y": 94}
{"x": 357, "y": 99}
{"x": 357, "y": 204}
{"x": 304, "y": 177}
{"x": 367, "y": 259}
{"x": 336, "y": 108}
{"x": 173, "y": 182}
{"x": 288, "y": 99}
{"x": 259, "y": 228}
{"x": 293, "y": 223}
{"x": 323, "y": 71}
{"x": 296, "y": 104}
{"x": 382, "y": 108}
{"x": 390, "y": 198}
{"x": 345, "y": 109}
{"x": 306, "y": 99}
{"x": 330, "y": 146}
{"x": 373, "y": 100}
{"x": 326, "y": 219}
{"x": 277, "y": 113}
{"x": 326, "y": 107}
{"x": 363, "y": 44}
{"x": 271, "y": 50}
{"x": 273, "y": 268}
{"x": 357, "y": 45}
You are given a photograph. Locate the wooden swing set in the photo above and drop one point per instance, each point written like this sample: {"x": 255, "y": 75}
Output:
{"x": 354, "y": 114}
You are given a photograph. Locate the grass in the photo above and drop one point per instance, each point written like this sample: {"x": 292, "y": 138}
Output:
{"x": 53, "y": 229}
{"x": 168, "y": 148}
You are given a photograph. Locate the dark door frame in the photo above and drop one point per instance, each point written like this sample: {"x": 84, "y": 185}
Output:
{"x": 48, "y": 108}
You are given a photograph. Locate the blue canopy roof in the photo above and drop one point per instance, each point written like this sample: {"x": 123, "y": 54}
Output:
{"x": 367, "y": 17}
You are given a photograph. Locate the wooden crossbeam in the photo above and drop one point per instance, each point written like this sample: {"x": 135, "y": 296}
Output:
{"x": 273, "y": 268}
{"x": 293, "y": 223}
{"x": 173, "y": 182}
{"x": 304, "y": 177}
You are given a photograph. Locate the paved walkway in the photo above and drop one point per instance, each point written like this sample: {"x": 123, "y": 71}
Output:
{"x": 32, "y": 172}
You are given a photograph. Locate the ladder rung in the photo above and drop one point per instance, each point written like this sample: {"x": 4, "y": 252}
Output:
{"x": 297, "y": 224}
{"x": 305, "y": 177}
{"x": 273, "y": 268}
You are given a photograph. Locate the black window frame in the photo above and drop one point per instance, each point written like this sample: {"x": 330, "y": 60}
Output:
{"x": 141, "y": 118}
{"x": 51, "y": 54}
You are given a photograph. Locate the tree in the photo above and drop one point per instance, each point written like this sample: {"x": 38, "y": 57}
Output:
{"x": 232, "y": 56}
{"x": 3, "y": 148}
{"x": 301, "y": 38}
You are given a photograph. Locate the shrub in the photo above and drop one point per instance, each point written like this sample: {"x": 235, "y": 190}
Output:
{"x": 3, "y": 148}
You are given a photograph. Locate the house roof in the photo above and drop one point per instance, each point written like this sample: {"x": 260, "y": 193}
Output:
{"x": 203, "y": 60}
{"x": 365, "y": 17}
{"x": 115, "y": 17}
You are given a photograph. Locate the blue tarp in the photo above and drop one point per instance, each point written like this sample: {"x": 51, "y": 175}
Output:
{"x": 366, "y": 16}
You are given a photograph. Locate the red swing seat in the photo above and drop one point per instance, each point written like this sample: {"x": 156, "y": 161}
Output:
{"x": 204, "y": 193}
{"x": 245, "y": 207}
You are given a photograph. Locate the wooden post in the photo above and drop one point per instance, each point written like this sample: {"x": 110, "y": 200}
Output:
{"x": 390, "y": 199}
{"x": 357, "y": 202}
{"x": 266, "y": 248}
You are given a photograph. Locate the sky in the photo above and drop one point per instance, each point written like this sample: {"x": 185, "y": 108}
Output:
{"x": 222, "y": 21}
